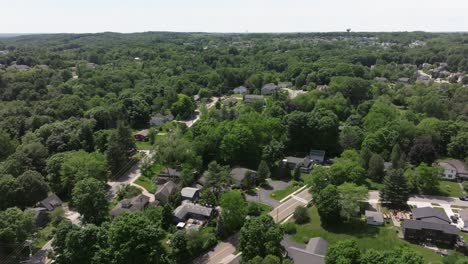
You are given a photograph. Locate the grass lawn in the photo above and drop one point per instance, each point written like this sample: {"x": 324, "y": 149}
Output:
{"x": 366, "y": 236}
{"x": 143, "y": 145}
{"x": 280, "y": 194}
{"x": 450, "y": 188}
{"x": 146, "y": 183}
{"x": 372, "y": 185}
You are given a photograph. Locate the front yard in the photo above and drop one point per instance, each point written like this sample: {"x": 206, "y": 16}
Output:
{"x": 280, "y": 194}
{"x": 450, "y": 188}
{"x": 366, "y": 236}
{"x": 146, "y": 183}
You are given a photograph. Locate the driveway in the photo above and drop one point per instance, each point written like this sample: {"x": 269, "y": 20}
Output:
{"x": 263, "y": 194}
{"x": 222, "y": 253}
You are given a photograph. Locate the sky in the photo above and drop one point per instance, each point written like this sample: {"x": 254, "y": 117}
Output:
{"x": 90, "y": 16}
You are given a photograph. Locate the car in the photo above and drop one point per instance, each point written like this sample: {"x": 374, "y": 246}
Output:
{"x": 464, "y": 198}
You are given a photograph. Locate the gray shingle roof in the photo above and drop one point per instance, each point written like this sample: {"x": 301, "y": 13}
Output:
{"x": 375, "y": 216}
{"x": 318, "y": 246}
{"x": 419, "y": 225}
{"x": 238, "y": 174}
{"x": 51, "y": 202}
{"x": 165, "y": 191}
{"x": 189, "y": 192}
{"x": 253, "y": 97}
{"x": 197, "y": 209}
{"x": 429, "y": 214}
{"x": 135, "y": 204}
{"x": 314, "y": 253}
{"x": 464, "y": 215}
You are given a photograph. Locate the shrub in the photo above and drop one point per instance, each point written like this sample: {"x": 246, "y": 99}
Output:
{"x": 127, "y": 192}
{"x": 254, "y": 210}
{"x": 290, "y": 228}
{"x": 301, "y": 215}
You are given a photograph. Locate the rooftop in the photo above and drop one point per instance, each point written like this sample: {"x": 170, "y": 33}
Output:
{"x": 420, "y": 225}
{"x": 429, "y": 214}
{"x": 189, "y": 192}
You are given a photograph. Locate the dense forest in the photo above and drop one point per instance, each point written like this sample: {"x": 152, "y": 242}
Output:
{"x": 70, "y": 103}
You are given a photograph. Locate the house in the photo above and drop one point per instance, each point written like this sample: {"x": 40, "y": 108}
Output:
{"x": 374, "y": 218}
{"x": 164, "y": 192}
{"x": 238, "y": 174}
{"x": 190, "y": 194}
{"x": 159, "y": 119}
{"x": 321, "y": 87}
{"x": 168, "y": 174}
{"x": 240, "y": 90}
{"x": 19, "y": 67}
{"x": 40, "y": 216}
{"x": 454, "y": 169}
{"x": 317, "y": 156}
{"x": 190, "y": 210}
{"x": 429, "y": 224}
{"x": 403, "y": 80}
{"x": 136, "y": 203}
{"x": 269, "y": 88}
{"x": 381, "y": 79}
{"x": 51, "y": 202}
{"x": 314, "y": 253}
{"x": 142, "y": 135}
{"x": 250, "y": 98}
{"x": 196, "y": 98}
{"x": 230, "y": 101}
{"x": 284, "y": 84}
{"x": 463, "y": 219}
{"x": 291, "y": 163}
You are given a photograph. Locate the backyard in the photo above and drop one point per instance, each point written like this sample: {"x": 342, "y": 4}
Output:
{"x": 366, "y": 236}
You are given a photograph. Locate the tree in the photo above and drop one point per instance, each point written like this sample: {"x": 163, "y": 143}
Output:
{"x": 15, "y": 226}
{"x": 32, "y": 188}
{"x": 422, "y": 151}
{"x": 351, "y": 137}
{"x": 376, "y": 168}
{"x": 345, "y": 251}
{"x": 207, "y": 197}
{"x": 249, "y": 181}
{"x": 458, "y": 147}
{"x": 89, "y": 198}
{"x": 395, "y": 189}
{"x": 9, "y": 192}
{"x": 351, "y": 195}
{"x": 273, "y": 152}
{"x": 345, "y": 170}
{"x": 395, "y": 156}
{"x": 297, "y": 172}
{"x": 263, "y": 172}
{"x": 260, "y": 236}
{"x": 301, "y": 215}
{"x": 132, "y": 239}
{"x": 118, "y": 149}
{"x": 7, "y": 145}
{"x": 424, "y": 179}
{"x": 233, "y": 210}
{"x": 318, "y": 179}
{"x": 184, "y": 107}
{"x": 218, "y": 178}
{"x": 179, "y": 246}
{"x": 328, "y": 204}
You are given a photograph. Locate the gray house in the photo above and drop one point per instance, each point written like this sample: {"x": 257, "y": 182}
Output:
{"x": 164, "y": 192}
{"x": 230, "y": 101}
{"x": 137, "y": 203}
{"x": 250, "y": 98}
{"x": 190, "y": 194}
{"x": 314, "y": 253}
{"x": 40, "y": 214}
{"x": 291, "y": 163}
{"x": 240, "y": 90}
{"x": 159, "y": 119}
{"x": 374, "y": 218}
{"x": 238, "y": 174}
{"x": 51, "y": 202}
{"x": 190, "y": 210}
{"x": 269, "y": 88}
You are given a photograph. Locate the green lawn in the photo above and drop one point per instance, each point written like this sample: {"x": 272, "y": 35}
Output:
{"x": 146, "y": 183}
{"x": 450, "y": 188}
{"x": 265, "y": 208}
{"x": 143, "y": 145}
{"x": 280, "y": 194}
{"x": 366, "y": 236}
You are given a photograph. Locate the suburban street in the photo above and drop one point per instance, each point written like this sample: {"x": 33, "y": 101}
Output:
{"x": 223, "y": 252}
{"x": 197, "y": 116}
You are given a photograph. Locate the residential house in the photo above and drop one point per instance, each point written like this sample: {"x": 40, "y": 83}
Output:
{"x": 241, "y": 90}
{"x": 381, "y": 79}
{"x": 142, "y": 135}
{"x": 291, "y": 163}
{"x": 160, "y": 119}
{"x": 454, "y": 170}
{"x": 285, "y": 84}
{"x": 51, "y": 202}
{"x": 429, "y": 224}
{"x": 165, "y": 191}
{"x": 250, "y": 98}
{"x": 238, "y": 174}
{"x": 19, "y": 67}
{"x": 40, "y": 214}
{"x": 269, "y": 88}
{"x": 168, "y": 174}
{"x": 321, "y": 87}
{"x": 136, "y": 203}
{"x": 374, "y": 218}
{"x": 230, "y": 101}
{"x": 314, "y": 253}
{"x": 190, "y": 194}
{"x": 317, "y": 156}
{"x": 403, "y": 80}
{"x": 190, "y": 210}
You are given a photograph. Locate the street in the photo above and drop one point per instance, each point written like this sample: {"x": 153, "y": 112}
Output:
{"x": 287, "y": 208}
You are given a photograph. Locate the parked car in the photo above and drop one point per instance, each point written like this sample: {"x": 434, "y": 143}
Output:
{"x": 464, "y": 198}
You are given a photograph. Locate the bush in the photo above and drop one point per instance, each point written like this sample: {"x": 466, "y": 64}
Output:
{"x": 301, "y": 215}
{"x": 290, "y": 228}
{"x": 254, "y": 210}
{"x": 127, "y": 192}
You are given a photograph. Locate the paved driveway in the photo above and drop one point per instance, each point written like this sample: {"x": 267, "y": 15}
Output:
{"x": 263, "y": 194}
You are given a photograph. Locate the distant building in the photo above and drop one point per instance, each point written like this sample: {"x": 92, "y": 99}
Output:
{"x": 159, "y": 119}
{"x": 137, "y": 203}
{"x": 51, "y": 202}
{"x": 321, "y": 87}
{"x": 164, "y": 192}
{"x": 142, "y": 135}
{"x": 238, "y": 174}
{"x": 230, "y": 101}
{"x": 285, "y": 84}
{"x": 269, "y": 88}
{"x": 190, "y": 194}
{"x": 241, "y": 90}
{"x": 381, "y": 79}
{"x": 403, "y": 80}
{"x": 454, "y": 170}
{"x": 314, "y": 253}
{"x": 40, "y": 215}
{"x": 374, "y": 218}
{"x": 317, "y": 156}
{"x": 250, "y": 98}
{"x": 190, "y": 210}
{"x": 292, "y": 162}
{"x": 20, "y": 67}
{"x": 168, "y": 174}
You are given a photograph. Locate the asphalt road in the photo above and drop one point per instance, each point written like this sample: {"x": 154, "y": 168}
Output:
{"x": 287, "y": 208}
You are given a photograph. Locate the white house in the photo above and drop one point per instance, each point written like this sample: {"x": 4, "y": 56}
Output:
{"x": 449, "y": 171}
